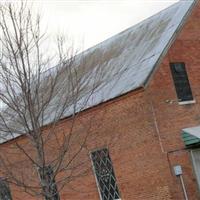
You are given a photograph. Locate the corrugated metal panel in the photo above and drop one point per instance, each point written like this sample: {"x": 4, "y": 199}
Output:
{"x": 195, "y": 131}
{"x": 189, "y": 139}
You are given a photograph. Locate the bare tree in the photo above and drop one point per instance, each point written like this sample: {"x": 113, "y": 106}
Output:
{"x": 35, "y": 96}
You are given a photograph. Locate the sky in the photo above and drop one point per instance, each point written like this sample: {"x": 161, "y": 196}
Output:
{"x": 88, "y": 22}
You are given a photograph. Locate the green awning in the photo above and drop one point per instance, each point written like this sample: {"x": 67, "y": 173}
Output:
{"x": 191, "y": 136}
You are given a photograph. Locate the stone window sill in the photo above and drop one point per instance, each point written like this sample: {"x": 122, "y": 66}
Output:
{"x": 186, "y": 102}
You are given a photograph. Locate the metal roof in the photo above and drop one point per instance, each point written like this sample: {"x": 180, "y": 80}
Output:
{"x": 191, "y": 136}
{"x": 195, "y": 131}
{"x": 129, "y": 58}
{"x": 126, "y": 61}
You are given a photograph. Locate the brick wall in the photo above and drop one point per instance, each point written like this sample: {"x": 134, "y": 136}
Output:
{"x": 143, "y": 132}
{"x": 172, "y": 117}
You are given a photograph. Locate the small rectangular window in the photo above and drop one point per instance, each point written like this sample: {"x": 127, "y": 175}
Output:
{"x": 5, "y": 193}
{"x": 104, "y": 174}
{"x": 181, "y": 82}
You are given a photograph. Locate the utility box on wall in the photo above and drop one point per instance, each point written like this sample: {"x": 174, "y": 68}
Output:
{"x": 178, "y": 170}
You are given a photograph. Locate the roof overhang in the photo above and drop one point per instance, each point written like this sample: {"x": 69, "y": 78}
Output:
{"x": 191, "y": 136}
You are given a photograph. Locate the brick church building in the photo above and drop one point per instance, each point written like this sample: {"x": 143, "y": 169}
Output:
{"x": 147, "y": 145}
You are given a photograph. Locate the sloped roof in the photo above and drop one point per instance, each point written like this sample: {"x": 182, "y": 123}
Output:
{"x": 191, "y": 136}
{"x": 193, "y": 131}
{"x": 130, "y": 57}
{"x": 126, "y": 61}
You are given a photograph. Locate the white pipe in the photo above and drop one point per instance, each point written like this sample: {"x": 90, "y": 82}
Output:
{"x": 157, "y": 128}
{"x": 183, "y": 187}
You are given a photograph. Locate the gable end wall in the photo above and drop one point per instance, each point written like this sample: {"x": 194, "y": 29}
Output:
{"x": 171, "y": 117}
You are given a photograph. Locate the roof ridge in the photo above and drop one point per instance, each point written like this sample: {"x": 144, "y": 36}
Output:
{"x": 131, "y": 27}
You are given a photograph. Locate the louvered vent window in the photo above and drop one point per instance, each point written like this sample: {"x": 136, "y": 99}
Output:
{"x": 5, "y": 193}
{"x": 105, "y": 176}
{"x": 46, "y": 175}
{"x": 181, "y": 82}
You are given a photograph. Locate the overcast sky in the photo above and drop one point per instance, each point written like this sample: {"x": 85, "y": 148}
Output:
{"x": 89, "y": 22}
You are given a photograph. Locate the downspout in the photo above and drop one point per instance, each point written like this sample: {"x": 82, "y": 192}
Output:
{"x": 183, "y": 187}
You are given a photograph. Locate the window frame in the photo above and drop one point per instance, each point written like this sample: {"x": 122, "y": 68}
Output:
{"x": 94, "y": 172}
{"x": 181, "y": 101}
